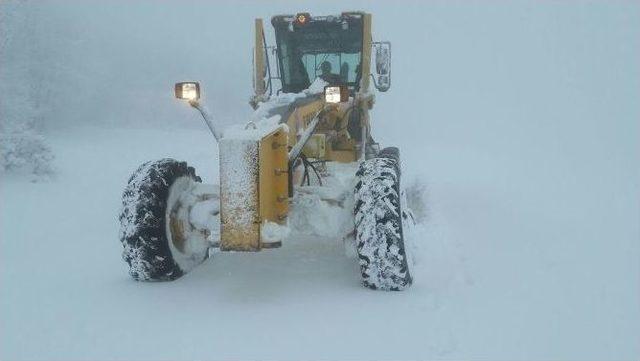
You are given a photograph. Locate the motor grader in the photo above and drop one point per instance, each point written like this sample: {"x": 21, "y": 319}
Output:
{"x": 312, "y": 100}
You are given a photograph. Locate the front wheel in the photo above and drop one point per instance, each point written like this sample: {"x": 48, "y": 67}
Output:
{"x": 148, "y": 217}
{"x": 378, "y": 223}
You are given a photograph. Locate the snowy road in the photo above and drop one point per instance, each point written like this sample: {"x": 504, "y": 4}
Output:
{"x": 81, "y": 303}
{"x": 500, "y": 274}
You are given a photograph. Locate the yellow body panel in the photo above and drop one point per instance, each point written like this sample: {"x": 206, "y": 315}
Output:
{"x": 245, "y": 238}
{"x": 300, "y": 118}
{"x": 366, "y": 53}
{"x": 259, "y": 65}
{"x": 342, "y": 156}
{"x": 336, "y": 144}
{"x": 273, "y": 190}
{"x": 316, "y": 146}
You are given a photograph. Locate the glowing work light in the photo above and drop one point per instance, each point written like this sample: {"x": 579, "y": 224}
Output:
{"x": 302, "y": 18}
{"x": 188, "y": 90}
{"x": 336, "y": 94}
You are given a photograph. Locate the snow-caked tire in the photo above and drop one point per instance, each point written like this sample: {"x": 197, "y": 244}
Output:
{"x": 378, "y": 223}
{"x": 144, "y": 231}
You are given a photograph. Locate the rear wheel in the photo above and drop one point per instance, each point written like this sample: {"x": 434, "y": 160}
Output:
{"x": 156, "y": 246}
{"x": 378, "y": 223}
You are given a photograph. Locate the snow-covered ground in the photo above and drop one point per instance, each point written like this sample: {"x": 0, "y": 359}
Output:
{"x": 521, "y": 122}
{"x": 515, "y": 260}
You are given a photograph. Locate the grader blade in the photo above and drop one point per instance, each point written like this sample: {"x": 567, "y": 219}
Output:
{"x": 253, "y": 188}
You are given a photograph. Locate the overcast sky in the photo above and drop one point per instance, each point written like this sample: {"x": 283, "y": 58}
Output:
{"x": 510, "y": 64}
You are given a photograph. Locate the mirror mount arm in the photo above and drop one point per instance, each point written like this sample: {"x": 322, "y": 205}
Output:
{"x": 208, "y": 119}
{"x": 373, "y": 78}
{"x": 376, "y": 85}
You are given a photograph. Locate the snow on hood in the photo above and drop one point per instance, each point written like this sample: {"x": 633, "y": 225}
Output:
{"x": 262, "y": 123}
{"x": 282, "y": 99}
{"x": 316, "y": 87}
{"x": 254, "y": 130}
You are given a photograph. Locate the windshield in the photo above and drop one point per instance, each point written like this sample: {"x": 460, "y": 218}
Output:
{"x": 330, "y": 50}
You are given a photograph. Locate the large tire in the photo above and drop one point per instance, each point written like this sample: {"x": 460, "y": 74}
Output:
{"x": 378, "y": 223}
{"x": 144, "y": 232}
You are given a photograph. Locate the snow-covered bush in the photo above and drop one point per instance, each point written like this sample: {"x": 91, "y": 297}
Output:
{"x": 25, "y": 151}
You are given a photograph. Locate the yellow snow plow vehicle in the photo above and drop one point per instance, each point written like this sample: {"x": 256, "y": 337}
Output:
{"x": 308, "y": 140}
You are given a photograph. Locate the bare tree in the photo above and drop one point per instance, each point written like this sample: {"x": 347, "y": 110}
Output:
{"x": 22, "y": 147}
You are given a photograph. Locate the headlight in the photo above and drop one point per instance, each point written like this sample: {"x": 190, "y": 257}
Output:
{"x": 188, "y": 90}
{"x": 336, "y": 94}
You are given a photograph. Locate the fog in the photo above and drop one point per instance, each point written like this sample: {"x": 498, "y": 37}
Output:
{"x": 115, "y": 62}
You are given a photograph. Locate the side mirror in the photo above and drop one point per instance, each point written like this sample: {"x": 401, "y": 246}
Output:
{"x": 383, "y": 65}
{"x": 188, "y": 90}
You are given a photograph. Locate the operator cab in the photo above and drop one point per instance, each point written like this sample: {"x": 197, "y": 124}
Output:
{"x": 326, "y": 47}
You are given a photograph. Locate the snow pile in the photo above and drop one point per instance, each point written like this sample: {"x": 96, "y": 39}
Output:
{"x": 273, "y": 232}
{"x": 327, "y": 210}
{"x": 182, "y": 192}
{"x": 414, "y": 198}
{"x": 206, "y": 215}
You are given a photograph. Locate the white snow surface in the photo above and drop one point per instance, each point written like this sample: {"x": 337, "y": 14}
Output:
{"x": 498, "y": 272}
{"x": 519, "y": 121}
